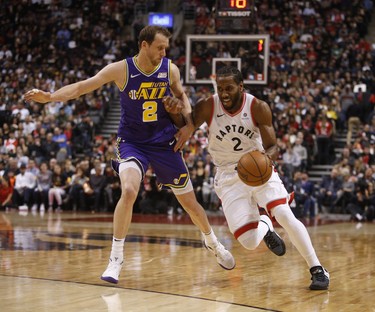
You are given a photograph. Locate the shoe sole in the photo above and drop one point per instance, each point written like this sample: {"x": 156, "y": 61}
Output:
{"x": 319, "y": 288}
{"x": 283, "y": 245}
{"x": 225, "y": 267}
{"x": 109, "y": 279}
{"x": 209, "y": 249}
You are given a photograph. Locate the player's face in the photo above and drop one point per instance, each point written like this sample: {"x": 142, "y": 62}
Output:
{"x": 230, "y": 93}
{"x": 157, "y": 49}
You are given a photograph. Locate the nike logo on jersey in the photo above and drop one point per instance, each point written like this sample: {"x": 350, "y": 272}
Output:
{"x": 133, "y": 76}
{"x": 220, "y": 115}
{"x": 171, "y": 142}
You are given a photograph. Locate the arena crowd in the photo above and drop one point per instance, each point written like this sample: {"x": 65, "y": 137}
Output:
{"x": 52, "y": 157}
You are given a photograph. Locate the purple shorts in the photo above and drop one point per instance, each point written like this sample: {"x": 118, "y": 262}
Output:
{"x": 169, "y": 166}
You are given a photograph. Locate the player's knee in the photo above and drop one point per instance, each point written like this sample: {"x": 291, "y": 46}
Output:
{"x": 283, "y": 215}
{"x": 248, "y": 240}
{"x": 129, "y": 193}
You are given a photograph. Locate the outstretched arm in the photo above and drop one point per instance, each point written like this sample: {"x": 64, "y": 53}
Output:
{"x": 112, "y": 72}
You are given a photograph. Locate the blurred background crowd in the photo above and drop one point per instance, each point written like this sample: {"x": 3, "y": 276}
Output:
{"x": 321, "y": 86}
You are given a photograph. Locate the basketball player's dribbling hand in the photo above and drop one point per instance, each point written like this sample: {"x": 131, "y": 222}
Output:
{"x": 37, "y": 96}
{"x": 172, "y": 105}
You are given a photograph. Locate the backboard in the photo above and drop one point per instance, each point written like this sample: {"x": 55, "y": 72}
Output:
{"x": 205, "y": 54}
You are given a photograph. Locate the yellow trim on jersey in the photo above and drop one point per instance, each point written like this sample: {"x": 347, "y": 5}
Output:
{"x": 169, "y": 72}
{"x": 143, "y": 72}
{"x": 126, "y": 76}
{"x": 117, "y": 149}
{"x": 182, "y": 175}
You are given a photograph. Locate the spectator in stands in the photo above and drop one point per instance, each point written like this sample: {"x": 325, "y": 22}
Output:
{"x": 50, "y": 147}
{"x": 301, "y": 151}
{"x": 6, "y": 192}
{"x": 347, "y": 98}
{"x": 58, "y": 189}
{"x": 368, "y": 133}
{"x": 112, "y": 189}
{"x": 291, "y": 161}
{"x": 23, "y": 146}
{"x": 60, "y": 138}
{"x": 69, "y": 169}
{"x": 11, "y": 143}
{"x": 23, "y": 194}
{"x": 307, "y": 192}
{"x": 36, "y": 149}
{"x": 361, "y": 204}
{"x": 347, "y": 194}
{"x": 328, "y": 193}
{"x": 32, "y": 167}
{"x": 11, "y": 165}
{"x": 28, "y": 126}
{"x": 346, "y": 160}
{"x": 76, "y": 189}
{"x": 97, "y": 182}
{"x": 83, "y": 134}
{"x": 354, "y": 116}
{"x": 20, "y": 110}
{"x": 323, "y": 132}
{"x": 44, "y": 183}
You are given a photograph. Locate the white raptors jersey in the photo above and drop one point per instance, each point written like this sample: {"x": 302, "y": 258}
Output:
{"x": 232, "y": 135}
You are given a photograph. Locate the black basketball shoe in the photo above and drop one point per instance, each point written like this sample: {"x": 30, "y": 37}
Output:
{"x": 275, "y": 243}
{"x": 319, "y": 277}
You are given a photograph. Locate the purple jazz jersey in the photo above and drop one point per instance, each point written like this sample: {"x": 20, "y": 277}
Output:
{"x": 143, "y": 116}
{"x": 168, "y": 165}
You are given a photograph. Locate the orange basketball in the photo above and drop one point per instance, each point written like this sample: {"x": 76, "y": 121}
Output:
{"x": 254, "y": 168}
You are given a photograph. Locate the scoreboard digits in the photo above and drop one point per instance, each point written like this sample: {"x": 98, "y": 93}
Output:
{"x": 234, "y": 8}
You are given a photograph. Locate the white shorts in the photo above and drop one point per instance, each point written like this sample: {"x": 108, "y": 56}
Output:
{"x": 240, "y": 202}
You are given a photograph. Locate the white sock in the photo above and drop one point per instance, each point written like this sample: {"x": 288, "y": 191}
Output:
{"x": 266, "y": 219}
{"x": 117, "y": 252}
{"x": 210, "y": 238}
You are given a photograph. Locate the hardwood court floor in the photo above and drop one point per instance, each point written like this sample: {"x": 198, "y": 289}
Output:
{"x": 53, "y": 262}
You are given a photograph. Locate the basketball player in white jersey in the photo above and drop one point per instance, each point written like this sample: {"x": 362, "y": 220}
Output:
{"x": 238, "y": 123}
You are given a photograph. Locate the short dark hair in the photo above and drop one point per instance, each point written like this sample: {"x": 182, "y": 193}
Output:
{"x": 230, "y": 71}
{"x": 148, "y": 34}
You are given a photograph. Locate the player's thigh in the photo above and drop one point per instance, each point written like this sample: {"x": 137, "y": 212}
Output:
{"x": 132, "y": 155}
{"x": 271, "y": 194}
{"x": 238, "y": 206}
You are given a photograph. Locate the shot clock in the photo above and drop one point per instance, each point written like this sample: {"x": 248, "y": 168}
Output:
{"x": 234, "y": 8}
{"x": 235, "y": 16}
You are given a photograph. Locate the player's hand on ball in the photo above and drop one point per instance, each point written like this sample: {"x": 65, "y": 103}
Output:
{"x": 172, "y": 105}
{"x": 255, "y": 168}
{"x": 37, "y": 96}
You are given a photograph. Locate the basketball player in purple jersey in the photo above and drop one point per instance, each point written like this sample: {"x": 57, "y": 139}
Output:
{"x": 238, "y": 123}
{"x": 146, "y": 82}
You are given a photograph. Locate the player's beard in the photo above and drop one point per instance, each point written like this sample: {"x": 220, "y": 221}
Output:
{"x": 235, "y": 102}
